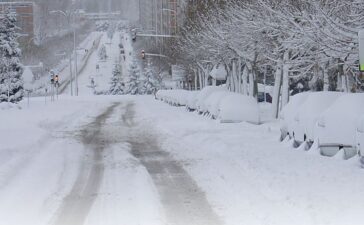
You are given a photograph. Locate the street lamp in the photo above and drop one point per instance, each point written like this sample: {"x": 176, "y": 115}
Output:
{"x": 69, "y": 15}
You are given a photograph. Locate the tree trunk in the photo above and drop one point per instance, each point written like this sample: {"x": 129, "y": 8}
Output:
{"x": 200, "y": 78}
{"x": 239, "y": 76}
{"x": 276, "y": 91}
{"x": 285, "y": 81}
{"x": 245, "y": 80}
{"x": 251, "y": 80}
{"x": 233, "y": 77}
{"x": 195, "y": 80}
{"x": 326, "y": 77}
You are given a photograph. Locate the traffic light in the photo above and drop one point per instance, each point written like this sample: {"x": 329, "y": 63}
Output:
{"x": 143, "y": 54}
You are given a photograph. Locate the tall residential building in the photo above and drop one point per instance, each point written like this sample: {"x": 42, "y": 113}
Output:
{"x": 161, "y": 16}
{"x": 25, "y": 16}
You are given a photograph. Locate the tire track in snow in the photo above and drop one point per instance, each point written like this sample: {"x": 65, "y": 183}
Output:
{"x": 77, "y": 205}
{"x": 183, "y": 201}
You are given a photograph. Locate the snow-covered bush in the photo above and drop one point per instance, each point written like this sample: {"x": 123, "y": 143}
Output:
{"x": 235, "y": 108}
{"x": 102, "y": 53}
{"x": 308, "y": 113}
{"x": 336, "y": 127}
{"x": 117, "y": 85}
{"x": 11, "y": 70}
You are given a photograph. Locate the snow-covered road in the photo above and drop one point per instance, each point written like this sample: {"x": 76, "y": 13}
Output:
{"x": 133, "y": 160}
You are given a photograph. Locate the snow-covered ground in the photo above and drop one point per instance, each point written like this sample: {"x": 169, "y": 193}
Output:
{"x": 245, "y": 173}
{"x": 111, "y": 160}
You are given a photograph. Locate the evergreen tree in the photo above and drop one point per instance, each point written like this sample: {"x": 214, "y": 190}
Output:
{"x": 102, "y": 53}
{"x": 11, "y": 71}
{"x": 150, "y": 82}
{"x": 133, "y": 83}
{"x": 117, "y": 86}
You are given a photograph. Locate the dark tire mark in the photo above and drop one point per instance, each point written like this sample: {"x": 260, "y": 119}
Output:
{"x": 77, "y": 205}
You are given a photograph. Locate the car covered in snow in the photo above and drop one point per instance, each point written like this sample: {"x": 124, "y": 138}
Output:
{"x": 337, "y": 126}
{"x": 204, "y": 94}
{"x": 213, "y": 102}
{"x": 289, "y": 112}
{"x": 192, "y": 101}
{"x": 236, "y": 108}
{"x": 173, "y": 97}
{"x": 360, "y": 136}
{"x": 308, "y": 113}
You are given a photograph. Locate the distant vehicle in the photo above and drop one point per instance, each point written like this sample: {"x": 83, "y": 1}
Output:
{"x": 268, "y": 97}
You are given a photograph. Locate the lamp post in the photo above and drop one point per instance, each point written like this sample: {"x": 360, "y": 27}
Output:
{"x": 69, "y": 15}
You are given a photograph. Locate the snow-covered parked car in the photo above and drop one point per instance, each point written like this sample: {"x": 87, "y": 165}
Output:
{"x": 360, "y": 137}
{"x": 308, "y": 113}
{"x": 204, "y": 94}
{"x": 213, "y": 102}
{"x": 289, "y": 112}
{"x": 173, "y": 97}
{"x": 236, "y": 108}
{"x": 192, "y": 101}
{"x": 337, "y": 126}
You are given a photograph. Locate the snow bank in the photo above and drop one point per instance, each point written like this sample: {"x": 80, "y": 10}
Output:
{"x": 9, "y": 105}
{"x": 239, "y": 108}
{"x": 338, "y": 124}
{"x": 309, "y": 112}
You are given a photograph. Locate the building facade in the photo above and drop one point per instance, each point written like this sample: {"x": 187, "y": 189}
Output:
{"x": 162, "y": 17}
{"x": 25, "y": 17}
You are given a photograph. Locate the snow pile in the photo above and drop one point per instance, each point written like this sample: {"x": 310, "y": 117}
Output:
{"x": 308, "y": 113}
{"x": 338, "y": 124}
{"x": 9, "y": 105}
{"x": 239, "y": 108}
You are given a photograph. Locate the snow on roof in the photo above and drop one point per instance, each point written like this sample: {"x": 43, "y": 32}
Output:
{"x": 219, "y": 72}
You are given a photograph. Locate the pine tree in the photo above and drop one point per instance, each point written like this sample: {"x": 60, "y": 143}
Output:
{"x": 102, "y": 53}
{"x": 150, "y": 82}
{"x": 133, "y": 83}
{"x": 117, "y": 86}
{"x": 11, "y": 70}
